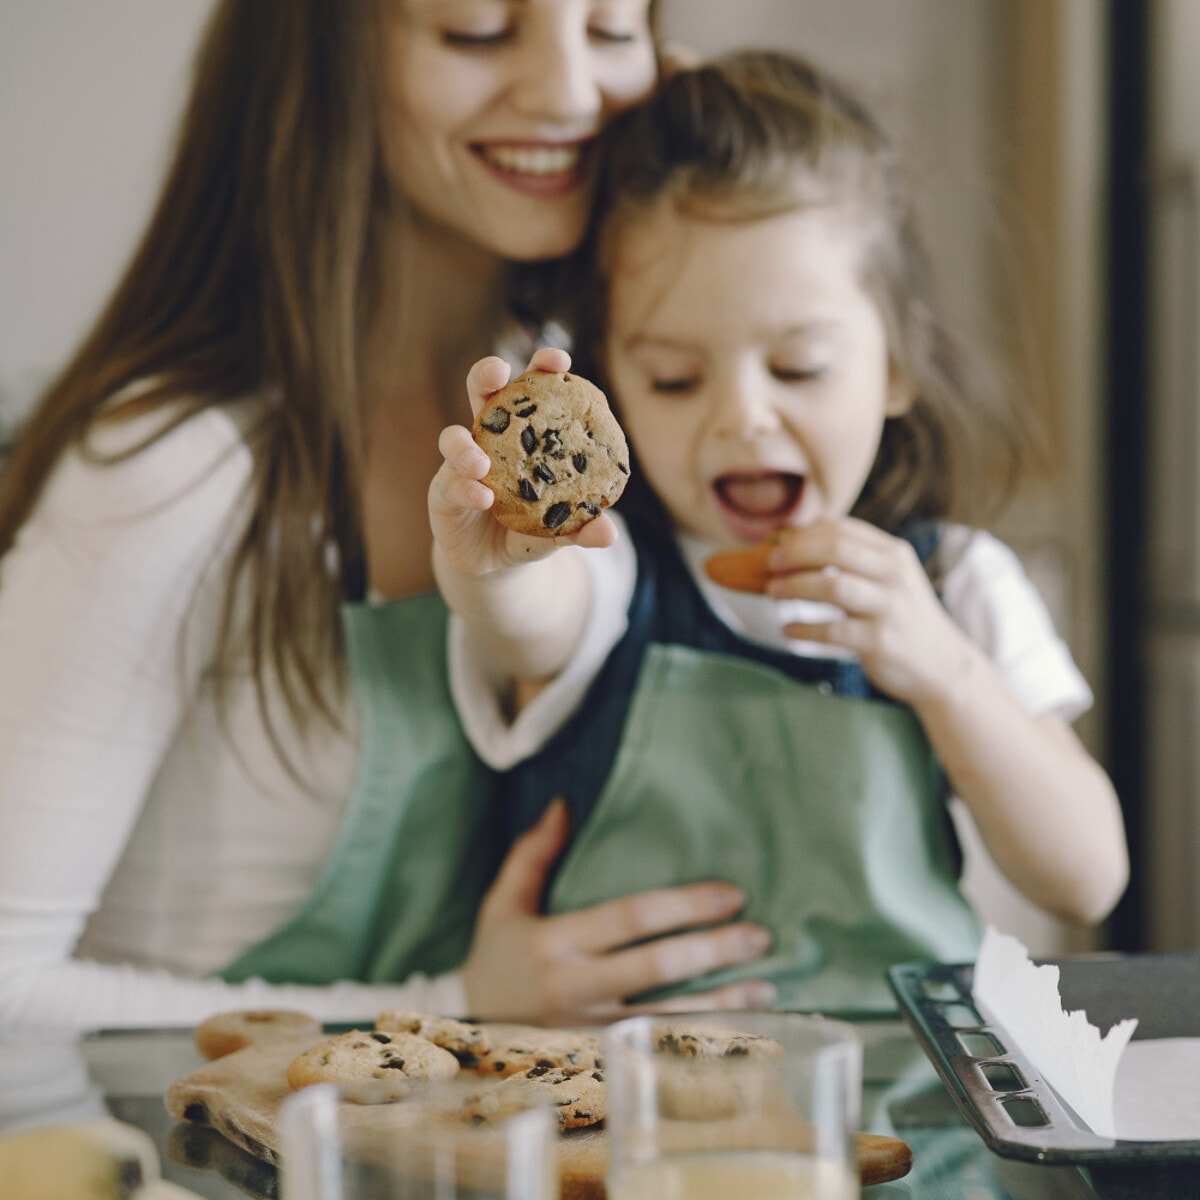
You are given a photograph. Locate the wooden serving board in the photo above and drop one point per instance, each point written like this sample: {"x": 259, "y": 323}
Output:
{"x": 239, "y": 1096}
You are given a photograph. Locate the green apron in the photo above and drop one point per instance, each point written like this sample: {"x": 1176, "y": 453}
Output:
{"x": 825, "y": 809}
{"x": 402, "y": 884}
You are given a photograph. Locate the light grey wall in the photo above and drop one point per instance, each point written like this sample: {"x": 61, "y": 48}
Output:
{"x": 89, "y": 93}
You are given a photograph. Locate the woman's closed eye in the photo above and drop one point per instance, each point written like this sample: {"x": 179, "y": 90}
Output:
{"x": 479, "y": 38}
{"x": 796, "y": 373}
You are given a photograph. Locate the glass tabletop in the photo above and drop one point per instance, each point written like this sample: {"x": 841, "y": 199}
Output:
{"x": 48, "y": 1079}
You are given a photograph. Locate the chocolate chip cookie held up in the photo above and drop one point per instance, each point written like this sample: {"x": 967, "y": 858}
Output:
{"x": 558, "y": 455}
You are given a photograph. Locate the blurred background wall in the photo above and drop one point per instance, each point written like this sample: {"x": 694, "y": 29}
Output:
{"x": 1023, "y": 124}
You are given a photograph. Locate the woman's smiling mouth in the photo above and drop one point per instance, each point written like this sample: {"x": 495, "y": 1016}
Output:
{"x": 538, "y": 168}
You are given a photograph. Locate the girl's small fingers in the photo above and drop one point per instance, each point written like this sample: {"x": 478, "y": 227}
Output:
{"x": 595, "y": 535}
{"x": 550, "y": 359}
{"x": 461, "y": 453}
{"x": 846, "y": 544}
{"x": 488, "y": 375}
{"x": 856, "y": 594}
{"x": 848, "y": 633}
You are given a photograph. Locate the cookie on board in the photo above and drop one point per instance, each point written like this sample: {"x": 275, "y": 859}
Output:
{"x": 370, "y": 1066}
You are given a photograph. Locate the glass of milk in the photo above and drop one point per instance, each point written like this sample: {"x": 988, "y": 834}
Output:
{"x": 733, "y": 1106}
{"x": 466, "y": 1138}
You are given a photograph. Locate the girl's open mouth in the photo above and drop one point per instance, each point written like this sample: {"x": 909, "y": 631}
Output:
{"x": 756, "y": 503}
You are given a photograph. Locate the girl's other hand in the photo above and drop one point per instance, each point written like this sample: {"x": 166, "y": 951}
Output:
{"x": 894, "y": 622}
{"x": 467, "y": 537}
{"x": 580, "y": 967}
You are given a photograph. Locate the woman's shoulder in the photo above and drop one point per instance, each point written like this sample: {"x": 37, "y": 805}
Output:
{"x": 155, "y": 462}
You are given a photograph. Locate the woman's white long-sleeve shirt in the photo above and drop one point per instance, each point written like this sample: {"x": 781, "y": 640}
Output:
{"x": 143, "y": 844}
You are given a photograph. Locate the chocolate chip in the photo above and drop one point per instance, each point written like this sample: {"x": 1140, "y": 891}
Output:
{"x": 527, "y": 490}
{"x": 538, "y": 1071}
{"x": 196, "y": 1112}
{"x": 528, "y": 410}
{"x": 499, "y": 1066}
{"x": 529, "y": 439}
{"x": 495, "y": 420}
{"x": 556, "y": 514}
{"x": 129, "y": 1177}
{"x": 552, "y": 443}
{"x": 622, "y": 468}
{"x": 381, "y": 1037}
{"x": 592, "y": 510}
{"x": 396, "y": 1064}
{"x": 543, "y": 472}
{"x": 546, "y": 1063}
{"x": 579, "y": 461}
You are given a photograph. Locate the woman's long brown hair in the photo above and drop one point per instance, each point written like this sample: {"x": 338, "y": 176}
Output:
{"x": 249, "y": 280}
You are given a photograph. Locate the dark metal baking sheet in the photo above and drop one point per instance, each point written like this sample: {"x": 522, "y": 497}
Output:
{"x": 1014, "y": 1110}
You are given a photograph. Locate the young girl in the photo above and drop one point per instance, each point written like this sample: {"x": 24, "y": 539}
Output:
{"x": 763, "y": 322}
{"x": 198, "y": 516}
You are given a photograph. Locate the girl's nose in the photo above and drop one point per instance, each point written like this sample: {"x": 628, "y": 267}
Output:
{"x": 746, "y": 408}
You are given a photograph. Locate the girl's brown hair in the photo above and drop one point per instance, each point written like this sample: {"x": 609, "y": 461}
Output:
{"x": 757, "y": 133}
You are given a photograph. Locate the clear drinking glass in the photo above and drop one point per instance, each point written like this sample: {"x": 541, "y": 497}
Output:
{"x": 446, "y": 1141}
{"x": 733, "y": 1106}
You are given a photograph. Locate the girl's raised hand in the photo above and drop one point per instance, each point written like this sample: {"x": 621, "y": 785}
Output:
{"x": 906, "y": 641}
{"x": 468, "y": 538}
{"x": 580, "y": 967}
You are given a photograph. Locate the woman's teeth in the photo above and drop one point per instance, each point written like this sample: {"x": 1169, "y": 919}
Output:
{"x": 534, "y": 160}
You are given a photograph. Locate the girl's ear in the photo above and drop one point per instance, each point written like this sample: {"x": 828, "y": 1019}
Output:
{"x": 901, "y": 393}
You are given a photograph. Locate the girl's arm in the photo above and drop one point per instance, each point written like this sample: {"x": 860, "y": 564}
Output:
{"x": 524, "y": 600}
{"x": 1045, "y": 809}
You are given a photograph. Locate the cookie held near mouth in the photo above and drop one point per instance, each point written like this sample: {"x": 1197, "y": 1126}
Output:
{"x": 742, "y": 570}
{"x": 558, "y": 455}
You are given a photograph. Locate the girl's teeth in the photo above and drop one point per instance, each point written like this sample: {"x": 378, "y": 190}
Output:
{"x": 535, "y": 160}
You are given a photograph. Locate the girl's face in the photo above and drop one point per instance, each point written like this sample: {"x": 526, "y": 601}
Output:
{"x": 492, "y": 108}
{"x": 750, "y": 366}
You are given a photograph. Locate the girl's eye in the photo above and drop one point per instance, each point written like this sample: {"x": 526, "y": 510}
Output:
{"x": 675, "y": 387}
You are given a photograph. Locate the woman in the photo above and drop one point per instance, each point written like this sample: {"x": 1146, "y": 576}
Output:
{"x": 235, "y": 459}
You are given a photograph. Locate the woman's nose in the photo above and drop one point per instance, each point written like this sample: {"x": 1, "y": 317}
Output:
{"x": 557, "y": 77}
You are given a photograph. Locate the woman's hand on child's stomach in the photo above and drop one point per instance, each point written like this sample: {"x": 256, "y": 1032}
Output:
{"x": 906, "y": 641}
{"x": 579, "y": 968}
{"x": 467, "y": 537}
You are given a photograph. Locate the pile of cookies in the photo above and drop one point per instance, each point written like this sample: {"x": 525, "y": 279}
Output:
{"x": 405, "y": 1050}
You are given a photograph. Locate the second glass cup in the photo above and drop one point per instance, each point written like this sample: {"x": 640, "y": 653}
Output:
{"x": 733, "y": 1106}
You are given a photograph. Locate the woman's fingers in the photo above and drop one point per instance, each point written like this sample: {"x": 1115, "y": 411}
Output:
{"x": 649, "y": 914}
{"x": 518, "y": 887}
{"x": 665, "y": 961}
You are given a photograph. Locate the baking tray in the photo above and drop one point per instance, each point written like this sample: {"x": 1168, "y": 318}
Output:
{"x": 1014, "y": 1110}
